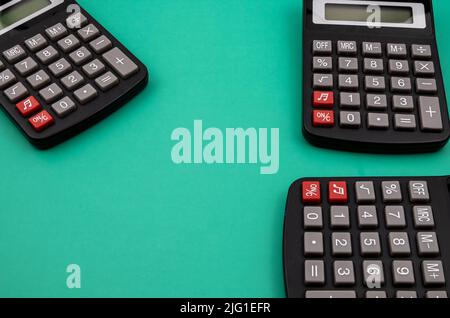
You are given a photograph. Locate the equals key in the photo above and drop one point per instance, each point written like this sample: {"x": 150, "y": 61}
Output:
{"x": 107, "y": 81}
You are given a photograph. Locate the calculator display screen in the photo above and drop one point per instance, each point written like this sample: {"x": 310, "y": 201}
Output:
{"x": 362, "y": 13}
{"x": 15, "y": 12}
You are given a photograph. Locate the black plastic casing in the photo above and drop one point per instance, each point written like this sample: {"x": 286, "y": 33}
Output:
{"x": 362, "y": 139}
{"x": 86, "y": 115}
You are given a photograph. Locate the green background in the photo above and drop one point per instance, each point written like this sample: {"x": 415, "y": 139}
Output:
{"x": 112, "y": 201}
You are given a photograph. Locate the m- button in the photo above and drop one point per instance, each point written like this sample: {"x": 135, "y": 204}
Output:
{"x": 121, "y": 63}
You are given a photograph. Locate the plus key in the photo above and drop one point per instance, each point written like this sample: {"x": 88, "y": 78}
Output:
{"x": 121, "y": 63}
{"x": 337, "y": 192}
{"x": 323, "y": 99}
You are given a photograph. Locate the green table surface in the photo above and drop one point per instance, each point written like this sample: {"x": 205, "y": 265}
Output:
{"x": 112, "y": 201}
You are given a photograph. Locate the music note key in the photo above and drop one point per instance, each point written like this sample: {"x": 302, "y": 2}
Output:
{"x": 337, "y": 192}
{"x": 323, "y": 99}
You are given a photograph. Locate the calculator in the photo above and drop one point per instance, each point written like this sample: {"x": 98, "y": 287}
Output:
{"x": 372, "y": 80}
{"x": 60, "y": 70}
{"x": 368, "y": 238}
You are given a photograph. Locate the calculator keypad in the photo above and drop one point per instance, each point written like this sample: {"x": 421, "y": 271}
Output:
{"x": 378, "y": 86}
{"x": 385, "y": 230}
{"x": 66, "y": 68}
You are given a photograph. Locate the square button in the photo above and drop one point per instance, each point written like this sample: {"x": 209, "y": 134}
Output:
{"x": 398, "y": 67}
{"x": 36, "y": 42}
{"x": 340, "y": 217}
{"x": 56, "y": 32}
{"x": 38, "y": 80}
{"x": 421, "y": 51}
{"x": 423, "y": 68}
{"x": 322, "y": 47}
{"x": 395, "y": 217}
{"x": 367, "y": 217}
{"x": 399, "y": 244}
{"x": 418, "y": 192}
{"x": 28, "y": 106}
{"x": 401, "y": 84}
{"x": 16, "y": 93}
{"x": 80, "y": 56}
{"x": 311, "y": 193}
{"x": 323, "y": 99}
{"x": 373, "y": 274}
{"x": 374, "y": 66}
{"x": 392, "y": 192}
{"x": 313, "y": 244}
{"x": 344, "y": 273}
{"x": 89, "y": 32}
{"x": 377, "y": 102}
{"x": 47, "y": 55}
{"x": 426, "y": 85}
{"x": 323, "y": 118}
{"x": 402, "y": 103}
{"x": 322, "y": 63}
{"x": 375, "y": 83}
{"x": 347, "y": 47}
{"x": 350, "y": 100}
{"x": 94, "y": 68}
{"x": 350, "y": 119}
{"x": 73, "y": 80}
{"x": 314, "y": 273}
{"x": 14, "y": 54}
{"x": 86, "y": 94}
{"x": 405, "y": 122}
{"x": 403, "y": 273}
{"x": 372, "y": 49}
{"x": 101, "y": 44}
{"x": 348, "y": 82}
{"x": 312, "y": 218}
{"x": 365, "y": 192}
{"x": 26, "y": 66}
{"x": 423, "y": 217}
{"x": 341, "y": 244}
{"x": 69, "y": 43}
{"x": 337, "y": 192}
{"x": 7, "y": 78}
{"x": 41, "y": 121}
{"x": 51, "y": 93}
{"x": 60, "y": 67}
{"x": 378, "y": 121}
{"x": 64, "y": 107}
{"x": 370, "y": 244}
{"x": 396, "y": 50}
{"x": 348, "y": 64}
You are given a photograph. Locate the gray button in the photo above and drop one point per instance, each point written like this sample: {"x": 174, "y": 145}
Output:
{"x": 400, "y": 67}
{"x": 430, "y": 114}
{"x": 16, "y": 93}
{"x": 313, "y": 244}
{"x": 341, "y": 244}
{"x": 47, "y": 55}
{"x": 373, "y": 274}
{"x": 76, "y": 21}
{"x": 370, "y": 244}
{"x": 376, "y": 294}
{"x": 347, "y": 47}
{"x": 395, "y": 217}
{"x": 421, "y": 51}
{"x": 322, "y": 63}
{"x": 64, "y": 107}
{"x": 376, "y": 102}
{"x": 396, "y": 50}
{"x": 401, "y": 84}
{"x": 372, "y": 49}
{"x": 323, "y": 47}
{"x": 399, "y": 244}
{"x": 312, "y": 218}
{"x": 350, "y": 100}
{"x": 436, "y": 294}
{"x": 367, "y": 217}
{"x": 107, "y": 81}
{"x": 402, "y": 103}
{"x": 427, "y": 244}
{"x": 344, "y": 273}
{"x": 60, "y": 68}
{"x": 348, "y": 64}
{"x": 373, "y": 66}
{"x": 26, "y": 66}
{"x": 7, "y": 78}
{"x": 89, "y": 32}
{"x": 405, "y": 122}
{"x": 56, "y": 32}
{"x": 80, "y": 56}
{"x": 433, "y": 273}
{"x": 86, "y": 94}
{"x": 365, "y": 192}
{"x": 348, "y": 82}
{"x": 51, "y": 93}
{"x": 375, "y": 83}
{"x": 422, "y": 68}
{"x": 73, "y": 80}
{"x": 418, "y": 191}
{"x": 392, "y": 192}
{"x": 123, "y": 65}
{"x": 68, "y": 44}
{"x": 425, "y": 86}
{"x": 36, "y": 43}
{"x": 323, "y": 81}
{"x": 314, "y": 273}
{"x": 330, "y": 294}
{"x": 14, "y": 54}
{"x": 94, "y": 69}
{"x": 350, "y": 119}
{"x": 340, "y": 217}
{"x": 101, "y": 44}
{"x": 2, "y": 66}
{"x": 403, "y": 273}
{"x": 378, "y": 121}
{"x": 423, "y": 217}
{"x": 406, "y": 294}
{"x": 38, "y": 80}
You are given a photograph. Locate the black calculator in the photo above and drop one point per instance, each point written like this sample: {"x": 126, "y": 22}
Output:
{"x": 372, "y": 79}
{"x": 60, "y": 70}
{"x": 368, "y": 238}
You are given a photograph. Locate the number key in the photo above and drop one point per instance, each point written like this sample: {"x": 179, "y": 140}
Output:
{"x": 370, "y": 244}
{"x": 51, "y": 93}
{"x": 341, "y": 244}
{"x": 312, "y": 218}
{"x": 350, "y": 119}
{"x": 26, "y": 66}
{"x": 367, "y": 217}
{"x": 64, "y": 107}
{"x": 350, "y": 100}
{"x": 47, "y": 55}
{"x": 94, "y": 68}
{"x": 403, "y": 273}
{"x": 399, "y": 244}
{"x": 395, "y": 217}
{"x": 340, "y": 217}
{"x": 373, "y": 66}
{"x": 377, "y": 102}
{"x": 60, "y": 68}
{"x": 344, "y": 273}
{"x": 69, "y": 43}
{"x": 38, "y": 80}
{"x": 80, "y": 56}
{"x": 348, "y": 64}
{"x": 375, "y": 83}
{"x": 402, "y": 103}
{"x": 73, "y": 80}
{"x": 398, "y": 67}
{"x": 401, "y": 84}
{"x": 348, "y": 82}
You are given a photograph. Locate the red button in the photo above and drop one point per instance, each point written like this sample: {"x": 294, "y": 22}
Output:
{"x": 337, "y": 192}
{"x": 28, "y": 106}
{"x": 311, "y": 192}
{"x": 41, "y": 121}
{"x": 323, "y": 99}
{"x": 323, "y": 118}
